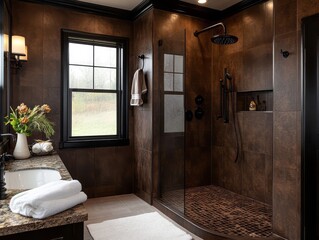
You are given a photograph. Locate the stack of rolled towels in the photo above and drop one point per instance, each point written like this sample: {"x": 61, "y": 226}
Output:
{"x": 48, "y": 199}
{"x": 42, "y": 147}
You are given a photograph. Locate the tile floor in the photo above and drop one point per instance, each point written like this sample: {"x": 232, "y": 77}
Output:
{"x": 101, "y": 209}
{"x": 222, "y": 211}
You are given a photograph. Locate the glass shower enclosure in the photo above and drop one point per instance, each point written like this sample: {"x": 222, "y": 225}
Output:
{"x": 171, "y": 71}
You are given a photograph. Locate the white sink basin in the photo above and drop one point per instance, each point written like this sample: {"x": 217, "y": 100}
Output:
{"x": 30, "y": 178}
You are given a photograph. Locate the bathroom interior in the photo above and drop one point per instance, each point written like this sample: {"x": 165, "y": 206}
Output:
{"x": 197, "y": 151}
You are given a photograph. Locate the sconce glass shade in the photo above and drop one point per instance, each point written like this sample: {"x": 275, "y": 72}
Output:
{"x": 24, "y": 58}
{"x": 5, "y": 42}
{"x": 202, "y": 1}
{"x": 18, "y": 45}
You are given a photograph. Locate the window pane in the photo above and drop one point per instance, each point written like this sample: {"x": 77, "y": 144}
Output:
{"x": 168, "y": 62}
{"x": 105, "y": 56}
{"x": 179, "y": 64}
{"x": 168, "y": 82}
{"x": 80, "y": 54}
{"x": 173, "y": 113}
{"x": 105, "y": 78}
{"x": 178, "y": 82}
{"x": 93, "y": 114}
{"x": 81, "y": 77}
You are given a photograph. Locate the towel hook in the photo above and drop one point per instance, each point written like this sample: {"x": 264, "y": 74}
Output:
{"x": 285, "y": 54}
{"x": 142, "y": 57}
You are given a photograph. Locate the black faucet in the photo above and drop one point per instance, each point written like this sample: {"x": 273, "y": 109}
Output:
{"x": 9, "y": 134}
{"x": 4, "y": 157}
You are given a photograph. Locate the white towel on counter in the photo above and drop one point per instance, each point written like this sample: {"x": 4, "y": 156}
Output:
{"x": 48, "y": 199}
{"x": 42, "y": 147}
{"x": 138, "y": 88}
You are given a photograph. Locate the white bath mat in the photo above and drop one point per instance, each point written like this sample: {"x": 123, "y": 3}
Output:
{"x": 148, "y": 226}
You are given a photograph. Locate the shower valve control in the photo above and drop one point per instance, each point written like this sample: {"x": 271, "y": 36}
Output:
{"x": 189, "y": 115}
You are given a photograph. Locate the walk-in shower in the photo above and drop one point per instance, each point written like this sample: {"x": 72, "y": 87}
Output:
{"x": 187, "y": 171}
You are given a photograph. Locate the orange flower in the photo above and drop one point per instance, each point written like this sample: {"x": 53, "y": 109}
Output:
{"x": 24, "y": 120}
{"x": 23, "y": 108}
{"x": 45, "y": 108}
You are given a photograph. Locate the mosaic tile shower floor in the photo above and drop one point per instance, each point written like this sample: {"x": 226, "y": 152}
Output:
{"x": 222, "y": 211}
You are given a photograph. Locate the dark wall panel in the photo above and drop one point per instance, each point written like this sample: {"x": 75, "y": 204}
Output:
{"x": 102, "y": 171}
{"x": 250, "y": 62}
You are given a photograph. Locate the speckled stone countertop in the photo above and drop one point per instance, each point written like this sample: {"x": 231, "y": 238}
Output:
{"x": 11, "y": 223}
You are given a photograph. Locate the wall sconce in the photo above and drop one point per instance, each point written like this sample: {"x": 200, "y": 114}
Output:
{"x": 6, "y": 43}
{"x": 19, "y": 51}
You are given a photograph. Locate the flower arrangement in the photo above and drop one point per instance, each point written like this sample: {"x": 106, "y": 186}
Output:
{"x": 25, "y": 120}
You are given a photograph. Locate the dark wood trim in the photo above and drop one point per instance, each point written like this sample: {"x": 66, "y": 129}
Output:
{"x": 73, "y": 231}
{"x": 87, "y": 8}
{"x": 309, "y": 131}
{"x": 168, "y": 5}
{"x": 240, "y": 7}
{"x": 141, "y": 8}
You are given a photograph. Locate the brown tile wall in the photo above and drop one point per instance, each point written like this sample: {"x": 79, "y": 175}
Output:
{"x": 102, "y": 171}
{"x": 176, "y": 32}
{"x": 250, "y": 63}
{"x": 143, "y": 116}
{"x": 287, "y": 115}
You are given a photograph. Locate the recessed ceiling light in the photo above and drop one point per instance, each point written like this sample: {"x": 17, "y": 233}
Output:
{"x": 201, "y": 1}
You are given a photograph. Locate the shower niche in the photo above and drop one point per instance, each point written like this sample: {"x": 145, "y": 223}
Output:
{"x": 263, "y": 100}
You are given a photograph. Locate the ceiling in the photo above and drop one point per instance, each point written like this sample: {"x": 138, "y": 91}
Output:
{"x": 131, "y": 4}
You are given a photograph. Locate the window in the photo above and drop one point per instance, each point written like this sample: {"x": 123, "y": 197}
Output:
{"x": 173, "y": 93}
{"x": 94, "y": 69}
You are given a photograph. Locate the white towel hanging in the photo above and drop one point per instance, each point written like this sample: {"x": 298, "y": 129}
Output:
{"x": 138, "y": 88}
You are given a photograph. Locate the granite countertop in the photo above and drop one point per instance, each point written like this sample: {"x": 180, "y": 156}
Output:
{"x": 11, "y": 223}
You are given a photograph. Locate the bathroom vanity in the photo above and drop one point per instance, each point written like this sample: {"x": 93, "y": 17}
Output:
{"x": 67, "y": 225}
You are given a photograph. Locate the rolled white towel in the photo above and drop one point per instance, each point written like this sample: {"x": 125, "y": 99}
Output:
{"x": 47, "y": 147}
{"x": 36, "y": 148}
{"x": 25, "y": 203}
{"x": 51, "y": 207}
{"x": 42, "y": 147}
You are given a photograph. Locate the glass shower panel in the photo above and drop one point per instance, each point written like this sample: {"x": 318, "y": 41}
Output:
{"x": 178, "y": 82}
{"x": 173, "y": 113}
{"x": 172, "y": 120}
{"x": 168, "y": 81}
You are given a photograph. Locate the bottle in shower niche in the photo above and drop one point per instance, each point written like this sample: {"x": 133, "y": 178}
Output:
{"x": 252, "y": 105}
{"x": 258, "y": 104}
{"x": 263, "y": 106}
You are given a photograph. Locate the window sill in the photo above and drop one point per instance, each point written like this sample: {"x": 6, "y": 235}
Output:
{"x": 94, "y": 143}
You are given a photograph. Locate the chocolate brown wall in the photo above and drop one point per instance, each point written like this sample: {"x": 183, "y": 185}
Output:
{"x": 153, "y": 26}
{"x": 195, "y": 145}
{"x": 287, "y": 115}
{"x": 102, "y": 171}
{"x": 250, "y": 63}
{"x": 143, "y": 115}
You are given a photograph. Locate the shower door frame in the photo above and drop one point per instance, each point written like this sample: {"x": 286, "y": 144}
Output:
{"x": 310, "y": 128}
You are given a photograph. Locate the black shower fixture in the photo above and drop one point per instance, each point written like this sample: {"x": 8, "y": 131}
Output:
{"x": 199, "y": 100}
{"x": 226, "y": 87}
{"x": 222, "y": 39}
{"x": 285, "y": 54}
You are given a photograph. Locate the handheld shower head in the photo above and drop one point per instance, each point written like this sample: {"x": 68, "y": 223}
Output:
{"x": 228, "y": 76}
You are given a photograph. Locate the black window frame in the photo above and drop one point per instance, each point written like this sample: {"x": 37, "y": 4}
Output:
{"x": 122, "y": 43}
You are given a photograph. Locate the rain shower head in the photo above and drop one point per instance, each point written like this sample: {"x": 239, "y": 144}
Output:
{"x": 224, "y": 39}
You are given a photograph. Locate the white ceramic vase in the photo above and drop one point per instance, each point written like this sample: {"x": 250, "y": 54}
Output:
{"x": 21, "y": 150}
